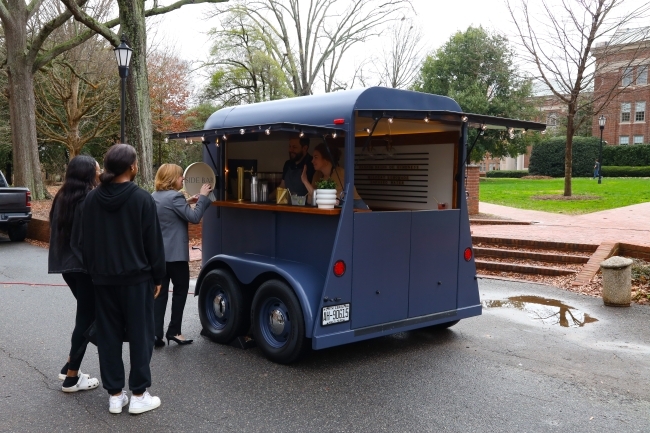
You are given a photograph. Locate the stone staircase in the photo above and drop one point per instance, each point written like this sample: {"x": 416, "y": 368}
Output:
{"x": 530, "y": 257}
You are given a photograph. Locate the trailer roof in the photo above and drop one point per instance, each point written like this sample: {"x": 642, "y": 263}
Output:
{"x": 321, "y": 111}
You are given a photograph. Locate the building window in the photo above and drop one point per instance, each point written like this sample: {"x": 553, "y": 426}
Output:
{"x": 638, "y": 139}
{"x": 639, "y": 112}
{"x": 625, "y": 111}
{"x": 642, "y": 75}
{"x": 624, "y": 139}
{"x": 628, "y": 76}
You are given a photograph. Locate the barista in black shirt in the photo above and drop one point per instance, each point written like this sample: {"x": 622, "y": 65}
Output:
{"x": 292, "y": 170}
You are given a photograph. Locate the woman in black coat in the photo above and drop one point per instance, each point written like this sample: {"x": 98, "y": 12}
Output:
{"x": 82, "y": 175}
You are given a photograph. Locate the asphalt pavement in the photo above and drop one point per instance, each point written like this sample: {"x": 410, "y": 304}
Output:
{"x": 513, "y": 369}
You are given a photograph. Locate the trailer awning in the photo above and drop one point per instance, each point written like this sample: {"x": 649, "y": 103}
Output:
{"x": 334, "y": 112}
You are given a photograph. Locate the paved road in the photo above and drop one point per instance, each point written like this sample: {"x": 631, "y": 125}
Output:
{"x": 502, "y": 372}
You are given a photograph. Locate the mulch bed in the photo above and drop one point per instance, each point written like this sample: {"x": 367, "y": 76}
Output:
{"x": 565, "y": 198}
{"x": 536, "y": 177}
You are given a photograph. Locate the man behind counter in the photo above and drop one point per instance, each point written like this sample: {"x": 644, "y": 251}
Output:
{"x": 292, "y": 170}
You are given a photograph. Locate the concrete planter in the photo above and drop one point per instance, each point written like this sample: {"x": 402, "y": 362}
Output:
{"x": 617, "y": 281}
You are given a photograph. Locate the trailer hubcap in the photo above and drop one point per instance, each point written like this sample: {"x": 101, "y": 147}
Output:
{"x": 276, "y": 322}
{"x": 220, "y": 306}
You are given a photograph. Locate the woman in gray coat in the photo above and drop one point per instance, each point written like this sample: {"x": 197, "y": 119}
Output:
{"x": 174, "y": 213}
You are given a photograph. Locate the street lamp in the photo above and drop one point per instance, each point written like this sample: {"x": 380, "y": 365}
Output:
{"x": 123, "y": 55}
{"x": 601, "y": 123}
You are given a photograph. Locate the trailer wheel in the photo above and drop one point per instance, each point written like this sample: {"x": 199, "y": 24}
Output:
{"x": 444, "y": 325}
{"x": 278, "y": 323}
{"x": 222, "y": 307}
{"x": 17, "y": 232}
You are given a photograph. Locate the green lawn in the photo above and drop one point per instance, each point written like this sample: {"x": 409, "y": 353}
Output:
{"x": 612, "y": 193}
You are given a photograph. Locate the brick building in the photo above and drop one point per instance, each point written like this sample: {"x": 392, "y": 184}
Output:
{"x": 622, "y": 68}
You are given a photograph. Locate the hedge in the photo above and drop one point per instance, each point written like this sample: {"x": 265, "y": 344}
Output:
{"x": 618, "y": 171}
{"x": 507, "y": 173}
{"x": 547, "y": 157}
{"x": 636, "y": 155}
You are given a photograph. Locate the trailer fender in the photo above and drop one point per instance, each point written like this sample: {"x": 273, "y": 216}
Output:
{"x": 306, "y": 282}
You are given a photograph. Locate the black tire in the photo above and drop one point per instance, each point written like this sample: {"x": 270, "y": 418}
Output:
{"x": 282, "y": 341}
{"x": 444, "y": 325}
{"x": 17, "y": 232}
{"x": 223, "y": 309}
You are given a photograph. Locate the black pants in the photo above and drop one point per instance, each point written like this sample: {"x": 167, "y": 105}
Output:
{"x": 179, "y": 274}
{"x": 82, "y": 289}
{"x": 123, "y": 309}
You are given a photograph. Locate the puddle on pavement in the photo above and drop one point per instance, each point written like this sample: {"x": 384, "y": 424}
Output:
{"x": 544, "y": 310}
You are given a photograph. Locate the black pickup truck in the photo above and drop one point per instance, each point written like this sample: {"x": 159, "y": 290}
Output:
{"x": 15, "y": 210}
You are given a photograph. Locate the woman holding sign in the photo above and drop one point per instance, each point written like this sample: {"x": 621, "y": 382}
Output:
{"x": 174, "y": 213}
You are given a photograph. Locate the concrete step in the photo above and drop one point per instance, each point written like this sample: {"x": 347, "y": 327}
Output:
{"x": 532, "y": 244}
{"x": 495, "y": 222}
{"x": 528, "y": 255}
{"x": 522, "y": 269}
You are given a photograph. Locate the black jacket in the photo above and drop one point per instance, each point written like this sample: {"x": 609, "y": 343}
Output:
{"x": 122, "y": 241}
{"x": 63, "y": 257}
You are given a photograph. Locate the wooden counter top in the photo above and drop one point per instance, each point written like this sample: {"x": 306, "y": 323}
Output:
{"x": 277, "y": 207}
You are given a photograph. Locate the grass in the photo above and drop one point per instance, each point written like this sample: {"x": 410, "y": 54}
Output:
{"x": 520, "y": 193}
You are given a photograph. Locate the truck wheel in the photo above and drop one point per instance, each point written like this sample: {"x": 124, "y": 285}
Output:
{"x": 278, "y": 323}
{"x": 17, "y": 232}
{"x": 222, "y": 307}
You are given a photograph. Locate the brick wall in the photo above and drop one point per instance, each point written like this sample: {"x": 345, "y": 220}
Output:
{"x": 194, "y": 230}
{"x": 471, "y": 186}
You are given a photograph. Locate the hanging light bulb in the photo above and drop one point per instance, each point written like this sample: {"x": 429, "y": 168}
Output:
{"x": 216, "y": 142}
{"x": 544, "y": 132}
{"x": 426, "y": 119}
{"x": 367, "y": 130}
{"x": 334, "y": 135}
{"x": 302, "y": 134}
{"x": 185, "y": 140}
{"x": 191, "y": 142}
{"x": 268, "y": 131}
{"x": 390, "y": 120}
{"x": 224, "y": 137}
{"x": 166, "y": 140}
{"x": 511, "y": 133}
{"x": 242, "y": 131}
{"x": 464, "y": 119}
{"x": 203, "y": 138}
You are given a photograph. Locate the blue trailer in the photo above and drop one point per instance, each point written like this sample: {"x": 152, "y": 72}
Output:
{"x": 300, "y": 277}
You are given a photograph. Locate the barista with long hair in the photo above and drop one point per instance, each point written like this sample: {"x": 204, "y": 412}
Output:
{"x": 326, "y": 163}
{"x": 124, "y": 253}
{"x": 81, "y": 176}
{"x": 174, "y": 213}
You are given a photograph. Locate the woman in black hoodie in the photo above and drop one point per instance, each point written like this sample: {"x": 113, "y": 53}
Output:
{"x": 124, "y": 254}
{"x": 81, "y": 176}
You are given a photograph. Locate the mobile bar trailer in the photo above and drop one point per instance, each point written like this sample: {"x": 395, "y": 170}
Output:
{"x": 301, "y": 276}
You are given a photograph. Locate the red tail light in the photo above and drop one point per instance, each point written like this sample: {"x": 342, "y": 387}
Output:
{"x": 28, "y": 199}
{"x": 467, "y": 254}
{"x": 339, "y": 268}
{"x": 339, "y": 121}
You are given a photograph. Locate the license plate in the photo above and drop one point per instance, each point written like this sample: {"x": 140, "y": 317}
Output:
{"x": 336, "y": 314}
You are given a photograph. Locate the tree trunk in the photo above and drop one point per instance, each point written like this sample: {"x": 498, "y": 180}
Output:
{"x": 22, "y": 109}
{"x": 139, "y": 129}
{"x": 568, "y": 152}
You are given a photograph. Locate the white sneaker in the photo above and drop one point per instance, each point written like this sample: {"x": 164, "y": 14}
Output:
{"x": 79, "y": 373}
{"x": 117, "y": 402}
{"x": 84, "y": 383}
{"x": 143, "y": 403}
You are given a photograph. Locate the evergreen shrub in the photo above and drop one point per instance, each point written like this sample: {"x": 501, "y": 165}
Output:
{"x": 618, "y": 171}
{"x": 507, "y": 173}
{"x": 547, "y": 157}
{"x": 631, "y": 156}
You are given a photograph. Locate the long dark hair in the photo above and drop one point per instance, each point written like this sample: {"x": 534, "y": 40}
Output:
{"x": 117, "y": 160}
{"x": 329, "y": 153}
{"x": 80, "y": 179}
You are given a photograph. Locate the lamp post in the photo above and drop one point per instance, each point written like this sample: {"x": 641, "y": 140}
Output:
{"x": 123, "y": 55}
{"x": 601, "y": 123}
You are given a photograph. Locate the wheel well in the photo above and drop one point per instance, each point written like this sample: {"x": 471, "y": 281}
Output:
{"x": 249, "y": 288}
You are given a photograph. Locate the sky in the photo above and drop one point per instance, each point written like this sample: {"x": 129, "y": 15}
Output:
{"x": 185, "y": 30}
